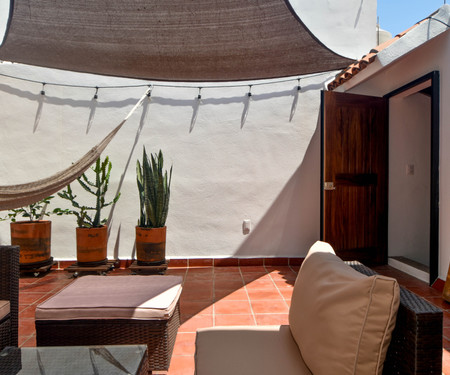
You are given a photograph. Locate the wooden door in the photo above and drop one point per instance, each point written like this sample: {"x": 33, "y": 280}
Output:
{"x": 354, "y": 176}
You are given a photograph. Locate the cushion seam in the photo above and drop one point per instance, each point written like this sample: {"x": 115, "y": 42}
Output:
{"x": 363, "y": 325}
{"x": 390, "y": 317}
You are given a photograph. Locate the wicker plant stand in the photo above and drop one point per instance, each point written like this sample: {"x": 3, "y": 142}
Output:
{"x": 157, "y": 333}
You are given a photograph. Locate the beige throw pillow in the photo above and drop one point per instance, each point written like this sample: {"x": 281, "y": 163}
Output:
{"x": 341, "y": 319}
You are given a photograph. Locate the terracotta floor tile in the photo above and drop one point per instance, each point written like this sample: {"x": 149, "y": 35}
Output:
{"x": 28, "y": 311}
{"x": 260, "y": 284}
{"x": 283, "y": 284}
{"x": 446, "y": 343}
{"x": 184, "y": 344}
{"x": 425, "y": 291}
{"x": 445, "y": 362}
{"x": 192, "y": 323}
{"x": 446, "y": 319}
{"x": 182, "y": 365}
{"x": 446, "y": 332}
{"x": 232, "y": 307}
{"x": 45, "y": 287}
{"x": 271, "y": 319}
{"x": 196, "y": 307}
{"x": 26, "y": 327}
{"x": 234, "y": 320}
{"x": 197, "y": 294}
{"x": 228, "y": 284}
{"x": 233, "y": 295}
{"x": 286, "y": 293}
{"x": 27, "y": 341}
{"x": 269, "y": 307}
{"x": 30, "y": 298}
{"x": 226, "y": 270}
{"x": 264, "y": 294}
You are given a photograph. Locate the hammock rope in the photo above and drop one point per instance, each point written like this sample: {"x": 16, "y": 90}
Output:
{"x": 15, "y": 196}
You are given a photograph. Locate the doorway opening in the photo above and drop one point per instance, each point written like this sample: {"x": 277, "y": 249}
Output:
{"x": 413, "y": 213}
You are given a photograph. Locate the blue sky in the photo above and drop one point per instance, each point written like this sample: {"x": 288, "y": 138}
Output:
{"x": 396, "y": 16}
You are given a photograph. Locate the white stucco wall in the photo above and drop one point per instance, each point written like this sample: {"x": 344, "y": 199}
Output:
{"x": 378, "y": 81}
{"x": 266, "y": 170}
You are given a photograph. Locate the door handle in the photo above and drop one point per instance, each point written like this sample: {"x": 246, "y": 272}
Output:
{"x": 329, "y": 186}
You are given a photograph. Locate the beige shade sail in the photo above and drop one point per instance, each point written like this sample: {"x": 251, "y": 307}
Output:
{"x": 174, "y": 40}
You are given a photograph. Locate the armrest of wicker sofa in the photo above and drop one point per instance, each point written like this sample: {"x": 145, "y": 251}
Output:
{"x": 9, "y": 287}
{"x": 416, "y": 345}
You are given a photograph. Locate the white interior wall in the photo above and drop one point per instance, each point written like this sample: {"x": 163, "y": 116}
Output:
{"x": 266, "y": 170}
{"x": 433, "y": 55}
{"x": 409, "y": 190}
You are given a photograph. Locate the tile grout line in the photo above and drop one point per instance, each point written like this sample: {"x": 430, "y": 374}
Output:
{"x": 278, "y": 290}
{"x": 248, "y": 296}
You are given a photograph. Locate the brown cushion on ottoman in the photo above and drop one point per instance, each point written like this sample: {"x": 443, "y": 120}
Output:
{"x": 119, "y": 297}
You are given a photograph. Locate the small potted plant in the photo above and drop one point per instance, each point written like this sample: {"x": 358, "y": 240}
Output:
{"x": 154, "y": 194}
{"x": 91, "y": 233}
{"x": 33, "y": 235}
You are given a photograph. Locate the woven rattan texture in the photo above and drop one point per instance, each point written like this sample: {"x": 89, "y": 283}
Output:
{"x": 9, "y": 290}
{"x": 416, "y": 345}
{"x": 159, "y": 335}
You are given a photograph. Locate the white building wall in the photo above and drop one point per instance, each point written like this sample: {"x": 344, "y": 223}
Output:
{"x": 434, "y": 55}
{"x": 265, "y": 170}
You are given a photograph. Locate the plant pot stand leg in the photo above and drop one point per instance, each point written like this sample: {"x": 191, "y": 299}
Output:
{"x": 102, "y": 269}
{"x": 38, "y": 268}
{"x": 158, "y": 269}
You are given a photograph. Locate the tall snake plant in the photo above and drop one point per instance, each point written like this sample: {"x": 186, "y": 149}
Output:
{"x": 154, "y": 190}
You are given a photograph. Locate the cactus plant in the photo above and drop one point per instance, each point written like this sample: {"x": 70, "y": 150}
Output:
{"x": 154, "y": 190}
{"x": 98, "y": 188}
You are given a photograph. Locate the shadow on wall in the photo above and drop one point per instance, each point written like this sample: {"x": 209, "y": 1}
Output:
{"x": 292, "y": 223}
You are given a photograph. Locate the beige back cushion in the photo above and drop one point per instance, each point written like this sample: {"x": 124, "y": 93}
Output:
{"x": 341, "y": 320}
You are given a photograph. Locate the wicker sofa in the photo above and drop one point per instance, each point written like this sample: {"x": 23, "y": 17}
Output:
{"x": 340, "y": 322}
{"x": 9, "y": 295}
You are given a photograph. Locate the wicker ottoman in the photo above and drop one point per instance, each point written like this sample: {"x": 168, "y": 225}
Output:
{"x": 99, "y": 310}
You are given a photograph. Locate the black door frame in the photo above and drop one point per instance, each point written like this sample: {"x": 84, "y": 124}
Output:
{"x": 434, "y": 167}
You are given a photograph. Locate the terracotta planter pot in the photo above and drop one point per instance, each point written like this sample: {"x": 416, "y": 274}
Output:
{"x": 34, "y": 239}
{"x": 150, "y": 246}
{"x": 92, "y": 246}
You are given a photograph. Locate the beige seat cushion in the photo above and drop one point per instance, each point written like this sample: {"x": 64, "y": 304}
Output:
{"x": 4, "y": 309}
{"x": 119, "y": 297}
{"x": 247, "y": 350}
{"x": 341, "y": 320}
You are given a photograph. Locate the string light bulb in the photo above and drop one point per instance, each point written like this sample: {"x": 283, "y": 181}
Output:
{"x": 43, "y": 88}
{"x": 149, "y": 92}
{"x": 96, "y": 93}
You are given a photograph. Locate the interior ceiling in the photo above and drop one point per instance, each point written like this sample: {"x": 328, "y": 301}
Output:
{"x": 173, "y": 40}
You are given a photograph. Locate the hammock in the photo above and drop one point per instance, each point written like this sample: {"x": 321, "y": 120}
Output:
{"x": 15, "y": 196}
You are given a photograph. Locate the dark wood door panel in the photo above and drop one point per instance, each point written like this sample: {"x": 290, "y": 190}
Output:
{"x": 354, "y": 162}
